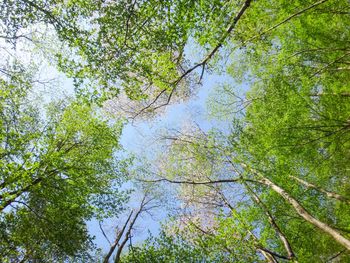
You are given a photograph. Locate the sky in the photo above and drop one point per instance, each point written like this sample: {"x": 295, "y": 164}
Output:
{"x": 136, "y": 137}
{"x": 141, "y": 135}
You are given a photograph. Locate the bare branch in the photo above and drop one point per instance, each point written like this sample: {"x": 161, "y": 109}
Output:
{"x": 335, "y": 256}
{"x": 220, "y": 43}
{"x": 202, "y": 64}
{"x": 220, "y": 181}
{"x": 116, "y": 242}
{"x": 144, "y": 202}
{"x": 103, "y": 232}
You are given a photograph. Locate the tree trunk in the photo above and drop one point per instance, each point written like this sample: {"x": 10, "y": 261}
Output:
{"x": 273, "y": 223}
{"x": 116, "y": 242}
{"x": 328, "y": 193}
{"x": 127, "y": 235}
{"x": 306, "y": 215}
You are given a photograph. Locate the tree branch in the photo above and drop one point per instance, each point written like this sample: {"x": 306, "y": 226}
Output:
{"x": 327, "y": 193}
{"x": 127, "y": 235}
{"x": 119, "y": 236}
{"x": 285, "y": 20}
{"x": 273, "y": 223}
{"x": 220, "y": 181}
{"x": 200, "y": 64}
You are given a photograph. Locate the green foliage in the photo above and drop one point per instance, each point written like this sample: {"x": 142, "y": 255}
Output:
{"x": 134, "y": 45}
{"x": 174, "y": 248}
{"x": 57, "y": 171}
{"x": 294, "y": 118}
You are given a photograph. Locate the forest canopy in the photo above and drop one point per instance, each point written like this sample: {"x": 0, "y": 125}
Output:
{"x": 268, "y": 181}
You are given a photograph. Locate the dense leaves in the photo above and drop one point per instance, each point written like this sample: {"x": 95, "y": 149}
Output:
{"x": 170, "y": 248}
{"x": 272, "y": 187}
{"x": 55, "y": 171}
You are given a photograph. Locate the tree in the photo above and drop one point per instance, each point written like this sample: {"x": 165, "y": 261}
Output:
{"x": 294, "y": 119}
{"x": 124, "y": 234}
{"x": 139, "y": 47}
{"x": 174, "y": 248}
{"x": 199, "y": 161}
{"x": 136, "y": 46}
{"x": 58, "y": 170}
{"x": 286, "y": 153}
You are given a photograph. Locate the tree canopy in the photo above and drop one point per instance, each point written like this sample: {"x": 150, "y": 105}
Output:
{"x": 58, "y": 169}
{"x": 270, "y": 185}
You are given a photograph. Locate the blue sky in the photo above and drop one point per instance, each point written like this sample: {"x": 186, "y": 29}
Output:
{"x": 138, "y": 136}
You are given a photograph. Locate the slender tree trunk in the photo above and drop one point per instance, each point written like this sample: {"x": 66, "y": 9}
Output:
{"x": 273, "y": 223}
{"x": 301, "y": 211}
{"x": 268, "y": 254}
{"x": 116, "y": 242}
{"x": 327, "y": 193}
{"x": 306, "y": 215}
{"x": 127, "y": 235}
